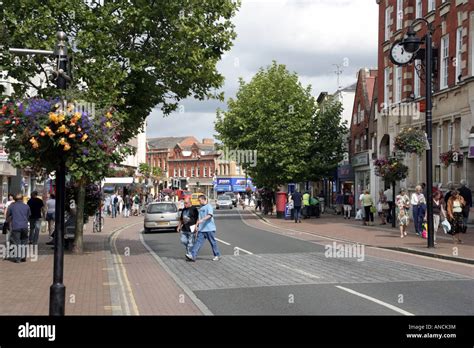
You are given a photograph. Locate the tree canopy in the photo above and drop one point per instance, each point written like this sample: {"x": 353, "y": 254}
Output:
{"x": 133, "y": 55}
{"x": 275, "y": 115}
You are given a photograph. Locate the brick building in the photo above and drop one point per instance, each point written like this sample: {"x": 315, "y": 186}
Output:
{"x": 359, "y": 130}
{"x": 191, "y": 163}
{"x": 401, "y": 90}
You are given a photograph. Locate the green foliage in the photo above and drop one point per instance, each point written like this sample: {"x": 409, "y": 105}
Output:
{"x": 280, "y": 119}
{"x": 133, "y": 55}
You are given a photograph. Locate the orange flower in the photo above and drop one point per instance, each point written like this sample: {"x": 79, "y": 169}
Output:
{"x": 72, "y": 135}
{"x": 42, "y": 134}
{"x": 84, "y": 137}
{"x": 67, "y": 147}
{"x": 34, "y": 143}
{"x": 108, "y": 115}
{"x": 62, "y": 141}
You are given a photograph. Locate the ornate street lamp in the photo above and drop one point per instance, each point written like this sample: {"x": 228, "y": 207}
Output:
{"x": 411, "y": 50}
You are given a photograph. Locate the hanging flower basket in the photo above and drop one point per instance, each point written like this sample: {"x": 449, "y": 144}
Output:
{"x": 451, "y": 157}
{"x": 411, "y": 140}
{"x": 40, "y": 132}
{"x": 391, "y": 169}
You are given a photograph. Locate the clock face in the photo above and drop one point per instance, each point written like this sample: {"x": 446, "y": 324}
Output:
{"x": 398, "y": 55}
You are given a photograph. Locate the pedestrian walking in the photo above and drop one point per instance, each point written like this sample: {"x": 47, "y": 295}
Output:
{"x": 418, "y": 203}
{"x": 113, "y": 203}
{"x": 306, "y": 198}
{"x": 259, "y": 201}
{"x": 456, "y": 205}
{"x": 187, "y": 225}
{"x": 438, "y": 213}
{"x": 340, "y": 203}
{"x": 51, "y": 213}
{"x": 382, "y": 208}
{"x": 466, "y": 193}
{"x": 36, "y": 207}
{"x": 389, "y": 198}
{"x": 297, "y": 202}
{"x": 369, "y": 208}
{"x": 108, "y": 205}
{"x": 206, "y": 230}
{"x": 119, "y": 204}
{"x": 6, "y": 225}
{"x": 450, "y": 190}
{"x": 348, "y": 201}
{"x": 18, "y": 215}
{"x": 402, "y": 202}
{"x": 127, "y": 205}
{"x": 136, "y": 205}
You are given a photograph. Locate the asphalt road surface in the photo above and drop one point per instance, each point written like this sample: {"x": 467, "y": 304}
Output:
{"x": 264, "y": 273}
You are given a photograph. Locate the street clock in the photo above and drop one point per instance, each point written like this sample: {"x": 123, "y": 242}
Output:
{"x": 399, "y": 55}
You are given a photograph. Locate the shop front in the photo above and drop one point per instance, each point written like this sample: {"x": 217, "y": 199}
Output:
{"x": 361, "y": 167}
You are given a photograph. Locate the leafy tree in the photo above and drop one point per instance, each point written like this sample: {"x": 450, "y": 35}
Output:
{"x": 327, "y": 146}
{"x": 279, "y": 118}
{"x": 129, "y": 55}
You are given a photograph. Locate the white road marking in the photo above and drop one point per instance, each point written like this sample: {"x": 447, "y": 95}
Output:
{"x": 388, "y": 305}
{"x": 223, "y": 242}
{"x": 245, "y": 251}
{"x": 300, "y": 271}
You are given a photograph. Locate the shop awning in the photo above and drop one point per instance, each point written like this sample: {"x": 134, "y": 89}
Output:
{"x": 118, "y": 181}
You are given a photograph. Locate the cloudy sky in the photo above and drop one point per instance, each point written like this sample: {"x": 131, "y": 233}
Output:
{"x": 308, "y": 36}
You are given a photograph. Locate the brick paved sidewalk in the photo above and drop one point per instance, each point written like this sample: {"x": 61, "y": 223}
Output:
{"x": 90, "y": 278}
{"x": 381, "y": 236}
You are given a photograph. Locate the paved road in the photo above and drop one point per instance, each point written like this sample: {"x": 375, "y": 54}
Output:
{"x": 264, "y": 273}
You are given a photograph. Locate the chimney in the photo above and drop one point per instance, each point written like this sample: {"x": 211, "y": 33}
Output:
{"x": 208, "y": 141}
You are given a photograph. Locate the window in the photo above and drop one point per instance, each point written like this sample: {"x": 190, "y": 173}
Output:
{"x": 192, "y": 172}
{"x": 431, "y": 5}
{"x": 399, "y": 14}
{"x": 358, "y": 114}
{"x": 450, "y": 136}
{"x": 439, "y": 141}
{"x": 387, "y": 24}
{"x": 197, "y": 172}
{"x": 185, "y": 171}
{"x": 357, "y": 144}
{"x": 174, "y": 172}
{"x": 458, "y": 60}
{"x": 204, "y": 172}
{"x": 398, "y": 84}
{"x": 364, "y": 143}
{"x": 416, "y": 79}
{"x": 443, "y": 79}
{"x": 419, "y": 9}
{"x": 386, "y": 90}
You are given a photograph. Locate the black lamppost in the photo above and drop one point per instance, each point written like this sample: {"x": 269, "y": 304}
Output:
{"x": 412, "y": 44}
{"x": 57, "y": 291}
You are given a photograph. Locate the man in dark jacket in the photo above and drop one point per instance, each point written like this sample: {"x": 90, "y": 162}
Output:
{"x": 36, "y": 206}
{"x": 187, "y": 224}
{"x": 297, "y": 202}
{"x": 18, "y": 215}
{"x": 466, "y": 193}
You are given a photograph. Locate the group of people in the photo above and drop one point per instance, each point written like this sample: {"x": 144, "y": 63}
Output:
{"x": 22, "y": 224}
{"x": 454, "y": 208}
{"x": 196, "y": 225}
{"x": 303, "y": 205}
{"x": 115, "y": 205}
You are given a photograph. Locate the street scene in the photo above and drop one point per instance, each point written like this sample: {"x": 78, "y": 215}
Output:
{"x": 238, "y": 158}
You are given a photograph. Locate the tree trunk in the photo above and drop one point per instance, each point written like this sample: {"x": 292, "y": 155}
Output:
{"x": 81, "y": 197}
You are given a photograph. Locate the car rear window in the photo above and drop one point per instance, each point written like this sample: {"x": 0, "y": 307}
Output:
{"x": 224, "y": 198}
{"x": 162, "y": 208}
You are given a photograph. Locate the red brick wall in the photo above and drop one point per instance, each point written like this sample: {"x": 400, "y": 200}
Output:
{"x": 451, "y": 23}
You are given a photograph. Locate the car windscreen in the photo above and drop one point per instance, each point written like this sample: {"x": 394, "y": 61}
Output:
{"x": 162, "y": 208}
{"x": 231, "y": 195}
{"x": 224, "y": 198}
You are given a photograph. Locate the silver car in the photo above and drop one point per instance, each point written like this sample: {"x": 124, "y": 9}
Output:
{"x": 161, "y": 216}
{"x": 224, "y": 201}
